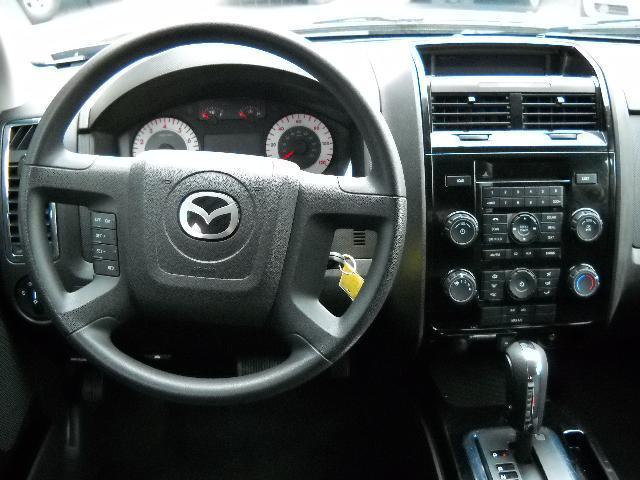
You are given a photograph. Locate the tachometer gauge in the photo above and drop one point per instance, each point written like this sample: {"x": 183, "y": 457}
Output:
{"x": 165, "y": 133}
{"x": 303, "y": 139}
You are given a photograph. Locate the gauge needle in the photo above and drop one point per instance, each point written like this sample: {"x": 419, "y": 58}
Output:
{"x": 243, "y": 116}
{"x": 288, "y": 155}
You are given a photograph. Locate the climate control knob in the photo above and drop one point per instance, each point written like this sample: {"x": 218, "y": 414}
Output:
{"x": 461, "y": 228}
{"x": 522, "y": 284}
{"x": 524, "y": 228}
{"x": 587, "y": 224}
{"x": 460, "y": 286}
{"x": 583, "y": 280}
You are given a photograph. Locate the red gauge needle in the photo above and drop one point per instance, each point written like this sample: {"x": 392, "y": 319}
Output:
{"x": 243, "y": 115}
{"x": 289, "y": 155}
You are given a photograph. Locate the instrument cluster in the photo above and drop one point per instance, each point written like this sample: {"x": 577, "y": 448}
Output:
{"x": 250, "y": 126}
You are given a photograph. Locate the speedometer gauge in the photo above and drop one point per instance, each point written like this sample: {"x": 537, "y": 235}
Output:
{"x": 166, "y": 133}
{"x": 303, "y": 139}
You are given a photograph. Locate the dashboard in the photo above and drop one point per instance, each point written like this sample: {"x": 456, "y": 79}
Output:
{"x": 251, "y": 126}
{"x": 520, "y": 183}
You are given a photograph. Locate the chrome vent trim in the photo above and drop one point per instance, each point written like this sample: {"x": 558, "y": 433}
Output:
{"x": 542, "y": 111}
{"x": 16, "y": 136}
{"x": 467, "y": 112}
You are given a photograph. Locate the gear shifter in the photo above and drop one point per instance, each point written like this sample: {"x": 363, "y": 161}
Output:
{"x": 526, "y": 393}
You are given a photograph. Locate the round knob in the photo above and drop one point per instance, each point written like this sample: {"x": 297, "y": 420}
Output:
{"x": 522, "y": 284}
{"x": 583, "y": 280}
{"x": 461, "y": 286}
{"x": 587, "y": 224}
{"x": 524, "y": 228}
{"x": 462, "y": 228}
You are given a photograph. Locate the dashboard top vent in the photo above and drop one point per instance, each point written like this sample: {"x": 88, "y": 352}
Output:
{"x": 559, "y": 112}
{"x": 460, "y": 111}
{"x": 15, "y": 141}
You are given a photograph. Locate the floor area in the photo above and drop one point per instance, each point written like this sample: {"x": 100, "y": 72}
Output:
{"x": 330, "y": 429}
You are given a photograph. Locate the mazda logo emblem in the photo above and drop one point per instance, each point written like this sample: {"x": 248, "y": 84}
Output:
{"x": 209, "y": 215}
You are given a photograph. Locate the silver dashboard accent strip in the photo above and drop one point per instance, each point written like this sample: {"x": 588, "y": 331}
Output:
{"x": 52, "y": 213}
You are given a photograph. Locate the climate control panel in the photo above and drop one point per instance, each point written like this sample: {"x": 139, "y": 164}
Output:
{"x": 523, "y": 242}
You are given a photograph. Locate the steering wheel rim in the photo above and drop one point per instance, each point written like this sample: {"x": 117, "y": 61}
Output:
{"x": 310, "y": 207}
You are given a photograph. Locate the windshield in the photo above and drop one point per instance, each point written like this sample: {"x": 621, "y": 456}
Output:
{"x": 54, "y": 26}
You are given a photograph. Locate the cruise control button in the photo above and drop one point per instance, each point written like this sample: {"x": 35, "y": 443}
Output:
{"x": 105, "y": 252}
{"x": 106, "y": 267}
{"x": 103, "y": 235}
{"x": 103, "y": 220}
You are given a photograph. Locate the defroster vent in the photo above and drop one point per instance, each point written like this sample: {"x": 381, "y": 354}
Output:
{"x": 16, "y": 138}
{"x": 452, "y": 111}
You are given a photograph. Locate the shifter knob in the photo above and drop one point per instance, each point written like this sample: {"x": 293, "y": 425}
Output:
{"x": 526, "y": 392}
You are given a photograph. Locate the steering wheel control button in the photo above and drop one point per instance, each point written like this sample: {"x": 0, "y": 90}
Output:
{"x": 105, "y": 236}
{"x": 104, "y": 244}
{"x": 524, "y": 228}
{"x": 461, "y": 228}
{"x": 457, "y": 181}
{"x": 586, "y": 178}
{"x": 109, "y": 268}
{"x": 522, "y": 284}
{"x": 103, "y": 220}
{"x": 104, "y": 252}
{"x": 28, "y": 300}
{"x": 460, "y": 286}
{"x": 583, "y": 280}
{"x": 587, "y": 224}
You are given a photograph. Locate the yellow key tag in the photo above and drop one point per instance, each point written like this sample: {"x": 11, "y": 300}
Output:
{"x": 350, "y": 281}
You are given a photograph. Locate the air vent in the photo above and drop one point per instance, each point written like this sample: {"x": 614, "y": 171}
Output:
{"x": 359, "y": 238}
{"x": 470, "y": 112}
{"x": 559, "y": 112}
{"x": 15, "y": 140}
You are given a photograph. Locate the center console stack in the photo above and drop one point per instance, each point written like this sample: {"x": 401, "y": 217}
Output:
{"x": 520, "y": 188}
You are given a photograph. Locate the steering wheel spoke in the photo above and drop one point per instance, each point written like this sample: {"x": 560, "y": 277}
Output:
{"x": 325, "y": 204}
{"x": 94, "y": 181}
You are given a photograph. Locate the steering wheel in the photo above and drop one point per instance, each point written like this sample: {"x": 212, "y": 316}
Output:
{"x": 273, "y": 227}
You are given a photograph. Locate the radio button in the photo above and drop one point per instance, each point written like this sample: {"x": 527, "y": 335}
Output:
{"x": 549, "y": 253}
{"x": 550, "y": 237}
{"x": 490, "y": 202}
{"x": 550, "y": 217}
{"x": 495, "y": 228}
{"x": 495, "y": 219}
{"x": 530, "y": 202}
{"x": 549, "y": 227}
{"x": 556, "y": 201}
{"x": 556, "y": 191}
{"x": 524, "y": 228}
{"x": 495, "y": 239}
{"x": 495, "y": 254}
